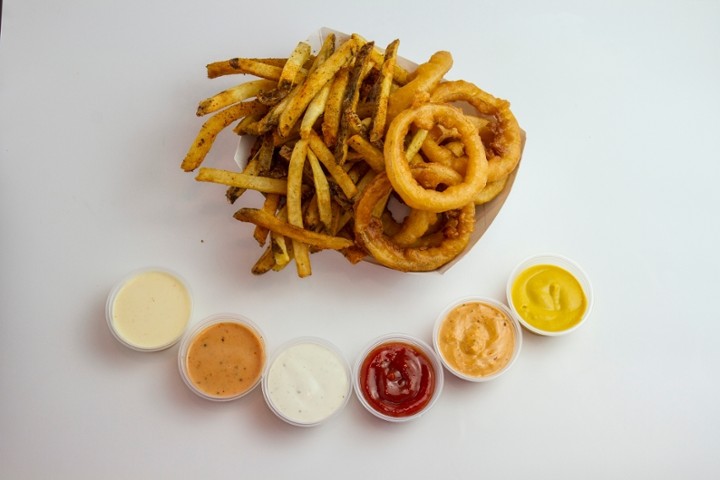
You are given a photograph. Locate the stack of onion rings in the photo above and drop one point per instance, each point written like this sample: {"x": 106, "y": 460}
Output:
{"x": 398, "y": 169}
{"x": 504, "y": 149}
{"x": 464, "y": 161}
{"x": 370, "y": 235}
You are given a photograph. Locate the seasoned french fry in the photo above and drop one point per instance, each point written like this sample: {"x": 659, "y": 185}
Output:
{"x": 235, "y": 179}
{"x": 293, "y": 65}
{"x": 294, "y": 206}
{"x": 314, "y": 83}
{"x": 400, "y": 75}
{"x": 248, "y": 125}
{"x": 381, "y": 103}
{"x": 257, "y": 68}
{"x": 350, "y": 100}
{"x": 327, "y": 49}
{"x": 314, "y": 111}
{"x": 322, "y": 189}
{"x": 270, "y": 205}
{"x": 319, "y": 240}
{"x": 327, "y": 158}
{"x": 233, "y": 95}
{"x": 233, "y": 66}
{"x": 265, "y": 153}
{"x": 294, "y": 183}
{"x": 252, "y": 168}
{"x": 281, "y": 251}
{"x": 415, "y": 143}
{"x": 265, "y": 263}
{"x": 270, "y": 121}
{"x": 212, "y": 127}
{"x": 333, "y": 107}
{"x": 371, "y": 154}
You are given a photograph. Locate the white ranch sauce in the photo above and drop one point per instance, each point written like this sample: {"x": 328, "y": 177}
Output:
{"x": 307, "y": 383}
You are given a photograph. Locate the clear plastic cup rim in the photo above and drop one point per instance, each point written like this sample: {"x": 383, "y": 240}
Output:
{"x": 199, "y": 327}
{"x": 306, "y": 340}
{"x": 110, "y": 303}
{"x": 400, "y": 338}
{"x": 493, "y": 303}
{"x": 560, "y": 261}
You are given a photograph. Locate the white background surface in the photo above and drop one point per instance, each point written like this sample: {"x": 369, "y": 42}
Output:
{"x": 620, "y": 101}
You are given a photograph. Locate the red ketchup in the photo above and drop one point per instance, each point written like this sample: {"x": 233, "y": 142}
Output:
{"x": 397, "y": 379}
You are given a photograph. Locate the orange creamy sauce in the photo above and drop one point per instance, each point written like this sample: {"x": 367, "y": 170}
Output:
{"x": 476, "y": 339}
{"x": 225, "y": 359}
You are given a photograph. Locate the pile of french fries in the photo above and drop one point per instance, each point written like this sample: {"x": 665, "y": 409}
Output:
{"x": 319, "y": 122}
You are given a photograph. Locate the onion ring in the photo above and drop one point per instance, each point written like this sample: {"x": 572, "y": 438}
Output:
{"x": 414, "y": 226}
{"x": 369, "y": 234}
{"x": 504, "y": 150}
{"x": 399, "y": 171}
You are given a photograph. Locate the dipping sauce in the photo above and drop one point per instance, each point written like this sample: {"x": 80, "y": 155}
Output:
{"x": 476, "y": 339}
{"x": 307, "y": 383}
{"x": 150, "y": 311}
{"x": 225, "y": 359}
{"x": 549, "y": 298}
{"x": 397, "y": 379}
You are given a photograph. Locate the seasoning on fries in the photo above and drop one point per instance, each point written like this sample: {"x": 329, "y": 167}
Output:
{"x": 341, "y": 131}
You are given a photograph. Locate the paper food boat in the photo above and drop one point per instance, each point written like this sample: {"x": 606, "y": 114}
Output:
{"x": 484, "y": 214}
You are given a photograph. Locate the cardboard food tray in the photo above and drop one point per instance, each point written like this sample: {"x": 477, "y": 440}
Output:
{"x": 484, "y": 214}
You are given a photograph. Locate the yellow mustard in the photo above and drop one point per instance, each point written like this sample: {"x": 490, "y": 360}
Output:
{"x": 549, "y": 298}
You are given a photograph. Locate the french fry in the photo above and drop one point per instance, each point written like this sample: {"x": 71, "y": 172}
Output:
{"x": 234, "y": 66}
{"x": 254, "y": 66}
{"x": 350, "y": 100}
{"x": 319, "y": 240}
{"x": 212, "y": 127}
{"x": 311, "y": 215}
{"x": 281, "y": 251}
{"x": 248, "y": 125}
{"x": 252, "y": 168}
{"x": 242, "y": 180}
{"x": 314, "y": 111}
{"x": 400, "y": 75}
{"x": 333, "y": 107}
{"x": 371, "y": 154}
{"x": 265, "y": 153}
{"x": 381, "y": 103}
{"x": 415, "y": 144}
{"x": 293, "y": 66}
{"x": 265, "y": 263}
{"x": 327, "y": 158}
{"x": 270, "y": 205}
{"x": 233, "y": 95}
{"x": 314, "y": 83}
{"x": 327, "y": 49}
{"x": 294, "y": 205}
{"x": 322, "y": 190}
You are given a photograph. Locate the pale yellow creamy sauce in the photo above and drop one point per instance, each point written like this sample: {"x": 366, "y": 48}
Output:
{"x": 151, "y": 310}
{"x": 477, "y": 339}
